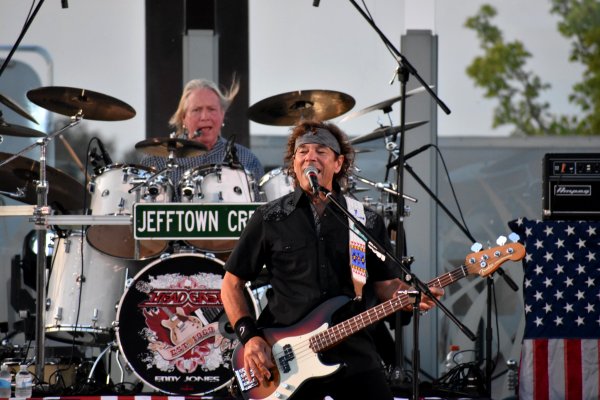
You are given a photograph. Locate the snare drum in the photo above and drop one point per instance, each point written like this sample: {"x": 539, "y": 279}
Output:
{"x": 171, "y": 326}
{"x": 276, "y": 183}
{"x": 84, "y": 288}
{"x": 110, "y": 196}
{"x": 216, "y": 183}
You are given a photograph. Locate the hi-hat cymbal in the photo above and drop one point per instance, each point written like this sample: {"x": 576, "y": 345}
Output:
{"x": 18, "y": 130}
{"x": 384, "y": 105}
{"x": 16, "y": 108}
{"x": 22, "y": 172}
{"x": 70, "y": 101}
{"x": 288, "y": 109}
{"x": 386, "y": 131}
{"x": 163, "y": 146}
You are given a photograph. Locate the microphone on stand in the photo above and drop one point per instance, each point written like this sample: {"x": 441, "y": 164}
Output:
{"x": 231, "y": 152}
{"x": 316, "y": 3}
{"x": 311, "y": 174}
{"x": 197, "y": 132}
{"x": 410, "y": 155}
{"x": 105, "y": 155}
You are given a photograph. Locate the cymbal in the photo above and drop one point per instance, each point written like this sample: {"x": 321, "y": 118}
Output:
{"x": 16, "y": 108}
{"x": 384, "y": 105}
{"x": 63, "y": 190}
{"x": 385, "y": 131}
{"x": 18, "y": 130}
{"x": 288, "y": 109}
{"x": 69, "y": 101}
{"x": 163, "y": 146}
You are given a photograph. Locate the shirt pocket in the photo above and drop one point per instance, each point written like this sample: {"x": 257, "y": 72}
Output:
{"x": 288, "y": 246}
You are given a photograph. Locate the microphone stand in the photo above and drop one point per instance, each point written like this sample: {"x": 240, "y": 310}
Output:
{"x": 489, "y": 283}
{"x": 422, "y": 288}
{"x": 404, "y": 70}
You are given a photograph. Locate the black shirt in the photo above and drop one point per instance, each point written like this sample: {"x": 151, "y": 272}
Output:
{"x": 307, "y": 267}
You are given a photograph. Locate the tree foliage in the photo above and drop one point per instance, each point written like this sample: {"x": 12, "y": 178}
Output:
{"x": 503, "y": 73}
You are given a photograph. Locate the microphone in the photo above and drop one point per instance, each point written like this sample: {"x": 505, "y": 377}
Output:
{"x": 64, "y": 3}
{"x": 105, "y": 156}
{"x": 311, "y": 174}
{"x": 231, "y": 152}
{"x": 316, "y": 3}
{"x": 410, "y": 155}
{"x": 197, "y": 132}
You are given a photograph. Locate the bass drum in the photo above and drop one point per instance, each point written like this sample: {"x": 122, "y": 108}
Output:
{"x": 171, "y": 326}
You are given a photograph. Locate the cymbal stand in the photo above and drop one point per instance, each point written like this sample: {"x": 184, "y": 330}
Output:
{"x": 41, "y": 211}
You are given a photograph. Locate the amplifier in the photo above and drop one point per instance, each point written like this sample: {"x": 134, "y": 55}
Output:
{"x": 571, "y": 186}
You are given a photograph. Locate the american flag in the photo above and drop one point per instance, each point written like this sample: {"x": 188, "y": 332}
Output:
{"x": 561, "y": 293}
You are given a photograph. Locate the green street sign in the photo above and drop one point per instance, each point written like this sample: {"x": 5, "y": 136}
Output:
{"x": 172, "y": 221}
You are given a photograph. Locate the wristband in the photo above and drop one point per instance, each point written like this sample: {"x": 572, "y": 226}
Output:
{"x": 246, "y": 329}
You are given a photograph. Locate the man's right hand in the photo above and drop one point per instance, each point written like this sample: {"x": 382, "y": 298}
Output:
{"x": 258, "y": 358}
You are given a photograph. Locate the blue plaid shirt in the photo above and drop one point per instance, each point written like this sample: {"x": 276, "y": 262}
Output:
{"x": 215, "y": 156}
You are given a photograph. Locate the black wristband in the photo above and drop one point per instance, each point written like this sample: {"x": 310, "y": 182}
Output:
{"x": 246, "y": 329}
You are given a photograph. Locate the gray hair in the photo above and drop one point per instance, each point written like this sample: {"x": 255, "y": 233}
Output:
{"x": 225, "y": 99}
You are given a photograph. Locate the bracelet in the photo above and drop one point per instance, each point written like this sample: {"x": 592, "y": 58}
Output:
{"x": 245, "y": 329}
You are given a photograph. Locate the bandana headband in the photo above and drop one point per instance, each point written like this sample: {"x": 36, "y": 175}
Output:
{"x": 318, "y": 136}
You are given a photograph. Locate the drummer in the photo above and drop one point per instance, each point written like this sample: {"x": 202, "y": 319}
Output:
{"x": 200, "y": 117}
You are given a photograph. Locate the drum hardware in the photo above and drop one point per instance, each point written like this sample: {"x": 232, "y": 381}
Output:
{"x": 287, "y": 109}
{"x": 163, "y": 147}
{"x": 93, "y": 106}
{"x": 41, "y": 211}
{"x": 385, "y": 187}
{"x": 384, "y": 132}
{"x": 385, "y": 106}
{"x": 16, "y": 108}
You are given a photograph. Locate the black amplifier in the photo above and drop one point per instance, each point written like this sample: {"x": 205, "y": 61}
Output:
{"x": 571, "y": 186}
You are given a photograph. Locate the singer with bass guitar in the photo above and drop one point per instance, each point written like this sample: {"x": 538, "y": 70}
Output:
{"x": 312, "y": 258}
{"x": 200, "y": 117}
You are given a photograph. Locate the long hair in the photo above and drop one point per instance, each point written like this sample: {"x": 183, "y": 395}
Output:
{"x": 226, "y": 96}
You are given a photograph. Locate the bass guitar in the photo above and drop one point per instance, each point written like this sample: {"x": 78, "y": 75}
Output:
{"x": 295, "y": 349}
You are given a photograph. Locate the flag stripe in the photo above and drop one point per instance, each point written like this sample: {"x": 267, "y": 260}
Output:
{"x": 540, "y": 369}
{"x": 572, "y": 353}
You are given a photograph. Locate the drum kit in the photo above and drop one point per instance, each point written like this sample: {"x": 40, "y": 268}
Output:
{"x": 158, "y": 302}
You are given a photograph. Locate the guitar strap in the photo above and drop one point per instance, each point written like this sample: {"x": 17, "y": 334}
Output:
{"x": 357, "y": 246}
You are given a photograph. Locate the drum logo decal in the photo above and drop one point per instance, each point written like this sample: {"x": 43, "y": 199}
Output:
{"x": 183, "y": 315}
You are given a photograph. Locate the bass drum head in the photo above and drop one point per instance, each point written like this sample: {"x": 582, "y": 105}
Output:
{"x": 172, "y": 329}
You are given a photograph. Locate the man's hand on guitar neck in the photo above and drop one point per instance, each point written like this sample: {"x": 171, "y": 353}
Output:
{"x": 395, "y": 288}
{"x": 426, "y": 303}
{"x": 258, "y": 358}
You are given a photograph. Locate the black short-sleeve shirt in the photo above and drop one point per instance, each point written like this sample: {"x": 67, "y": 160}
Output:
{"x": 306, "y": 267}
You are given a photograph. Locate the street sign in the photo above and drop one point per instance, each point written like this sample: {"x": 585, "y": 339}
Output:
{"x": 173, "y": 221}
